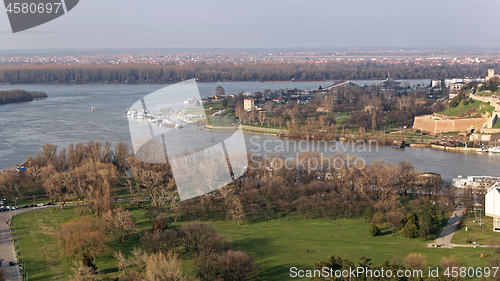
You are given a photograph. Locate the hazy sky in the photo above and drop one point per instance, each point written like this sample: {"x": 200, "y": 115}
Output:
{"x": 265, "y": 23}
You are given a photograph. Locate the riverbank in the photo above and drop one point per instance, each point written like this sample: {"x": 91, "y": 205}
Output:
{"x": 251, "y": 129}
{"x": 383, "y": 140}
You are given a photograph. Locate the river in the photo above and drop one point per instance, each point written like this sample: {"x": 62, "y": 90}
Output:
{"x": 65, "y": 117}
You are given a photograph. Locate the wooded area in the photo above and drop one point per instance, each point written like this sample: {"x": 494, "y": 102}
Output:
{"x": 13, "y": 96}
{"x": 381, "y": 193}
{"x": 137, "y": 73}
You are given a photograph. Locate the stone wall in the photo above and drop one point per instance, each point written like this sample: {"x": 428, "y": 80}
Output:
{"x": 491, "y": 131}
{"x": 435, "y": 126}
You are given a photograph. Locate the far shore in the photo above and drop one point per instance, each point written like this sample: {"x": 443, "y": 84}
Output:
{"x": 273, "y": 132}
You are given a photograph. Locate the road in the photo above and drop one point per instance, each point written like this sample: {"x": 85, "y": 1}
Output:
{"x": 7, "y": 252}
{"x": 444, "y": 239}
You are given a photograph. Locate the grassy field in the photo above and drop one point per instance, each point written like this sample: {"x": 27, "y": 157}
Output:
{"x": 497, "y": 124}
{"x": 342, "y": 117}
{"x": 486, "y": 93}
{"x": 42, "y": 253}
{"x": 215, "y": 106}
{"x": 475, "y": 107}
{"x": 479, "y": 235}
{"x": 195, "y": 110}
{"x": 277, "y": 245}
{"x": 281, "y": 244}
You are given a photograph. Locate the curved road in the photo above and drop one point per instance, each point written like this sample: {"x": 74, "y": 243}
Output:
{"x": 7, "y": 252}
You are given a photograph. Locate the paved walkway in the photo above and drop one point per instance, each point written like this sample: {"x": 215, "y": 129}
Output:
{"x": 444, "y": 239}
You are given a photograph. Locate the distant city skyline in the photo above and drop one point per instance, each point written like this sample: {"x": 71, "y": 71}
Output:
{"x": 321, "y": 24}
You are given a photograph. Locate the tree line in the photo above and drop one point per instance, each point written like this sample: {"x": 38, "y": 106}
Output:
{"x": 13, "y": 96}
{"x": 311, "y": 186}
{"x": 138, "y": 73}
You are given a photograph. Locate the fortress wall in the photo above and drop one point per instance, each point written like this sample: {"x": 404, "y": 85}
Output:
{"x": 491, "y": 131}
{"x": 425, "y": 123}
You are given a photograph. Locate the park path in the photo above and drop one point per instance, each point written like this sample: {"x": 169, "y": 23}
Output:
{"x": 444, "y": 239}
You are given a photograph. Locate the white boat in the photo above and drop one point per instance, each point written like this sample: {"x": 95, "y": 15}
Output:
{"x": 494, "y": 149}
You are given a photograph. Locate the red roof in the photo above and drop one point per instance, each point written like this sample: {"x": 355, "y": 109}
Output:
{"x": 279, "y": 98}
{"x": 338, "y": 83}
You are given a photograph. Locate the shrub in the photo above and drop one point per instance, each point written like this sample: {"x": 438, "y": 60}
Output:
{"x": 160, "y": 222}
{"x": 374, "y": 230}
{"x": 416, "y": 261}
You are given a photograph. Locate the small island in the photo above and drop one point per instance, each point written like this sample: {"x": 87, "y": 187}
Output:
{"x": 13, "y": 96}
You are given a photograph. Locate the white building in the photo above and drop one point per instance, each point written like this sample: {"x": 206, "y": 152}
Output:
{"x": 492, "y": 205}
{"x": 455, "y": 87}
{"x": 436, "y": 83}
{"x": 474, "y": 182}
{"x": 249, "y": 104}
{"x": 465, "y": 80}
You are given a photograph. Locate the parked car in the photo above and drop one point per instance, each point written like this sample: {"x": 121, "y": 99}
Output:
{"x": 11, "y": 263}
{"x": 26, "y": 206}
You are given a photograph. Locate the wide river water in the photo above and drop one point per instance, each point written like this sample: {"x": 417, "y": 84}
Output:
{"x": 65, "y": 117}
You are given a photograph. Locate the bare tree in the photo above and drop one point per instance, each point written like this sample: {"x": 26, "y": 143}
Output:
{"x": 160, "y": 240}
{"x": 119, "y": 223}
{"x": 81, "y": 272}
{"x": 415, "y": 261}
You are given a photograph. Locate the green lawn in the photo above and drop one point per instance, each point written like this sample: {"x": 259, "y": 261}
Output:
{"x": 497, "y": 124}
{"x": 195, "y": 110}
{"x": 461, "y": 109}
{"x": 342, "y": 117}
{"x": 215, "y": 106}
{"x": 277, "y": 245}
{"x": 42, "y": 254}
{"x": 480, "y": 236}
{"x": 485, "y": 93}
{"x": 38, "y": 245}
